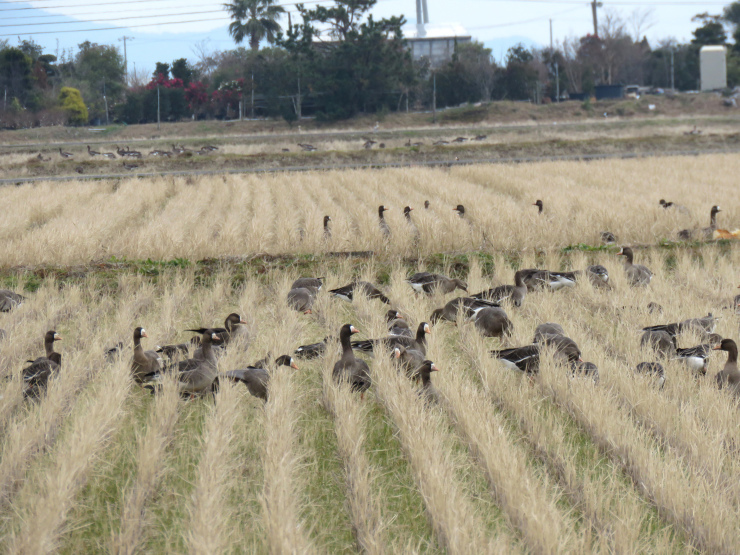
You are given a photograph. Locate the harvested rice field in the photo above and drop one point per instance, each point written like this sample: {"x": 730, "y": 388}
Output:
{"x": 497, "y": 461}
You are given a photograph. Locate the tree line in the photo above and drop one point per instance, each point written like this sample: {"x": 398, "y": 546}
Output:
{"x": 336, "y": 62}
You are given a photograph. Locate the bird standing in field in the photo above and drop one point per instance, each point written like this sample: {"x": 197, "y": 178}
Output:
{"x": 729, "y": 376}
{"x": 256, "y": 377}
{"x": 425, "y": 282}
{"x": 145, "y": 363}
{"x": 9, "y": 300}
{"x": 636, "y": 273}
{"x": 539, "y": 206}
{"x": 327, "y": 228}
{"x": 349, "y": 369}
{"x": 384, "y": 228}
{"x": 65, "y": 155}
{"x": 37, "y": 375}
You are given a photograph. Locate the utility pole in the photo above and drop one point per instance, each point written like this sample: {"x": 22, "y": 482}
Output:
{"x": 673, "y": 83}
{"x": 594, "y": 5}
{"x": 551, "y": 36}
{"x": 157, "y": 107}
{"x": 105, "y": 100}
{"x": 251, "y": 114}
{"x": 124, "y": 38}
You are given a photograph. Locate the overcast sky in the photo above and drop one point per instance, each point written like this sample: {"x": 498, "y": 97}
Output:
{"x": 164, "y": 30}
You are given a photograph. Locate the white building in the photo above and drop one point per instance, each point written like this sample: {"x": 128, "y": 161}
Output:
{"x": 435, "y": 42}
{"x": 713, "y": 67}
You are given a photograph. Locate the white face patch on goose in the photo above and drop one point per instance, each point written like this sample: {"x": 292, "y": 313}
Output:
{"x": 142, "y": 332}
{"x": 214, "y": 336}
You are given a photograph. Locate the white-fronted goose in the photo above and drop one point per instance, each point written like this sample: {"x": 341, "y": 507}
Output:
{"x": 655, "y": 369}
{"x": 327, "y": 228}
{"x": 419, "y": 342}
{"x": 256, "y": 377}
{"x": 9, "y": 300}
{"x": 659, "y": 341}
{"x": 469, "y": 305}
{"x": 598, "y": 275}
{"x": 92, "y": 152}
{"x": 527, "y": 358}
{"x": 109, "y": 155}
{"x": 384, "y": 229}
{"x": 145, "y": 364}
{"x": 729, "y": 376}
{"x": 196, "y": 376}
{"x": 548, "y": 329}
{"x": 703, "y": 326}
{"x": 349, "y": 368}
{"x": 428, "y": 391}
{"x": 493, "y": 322}
{"x": 36, "y": 376}
{"x": 129, "y": 167}
{"x": 697, "y": 358}
{"x": 636, "y": 273}
{"x": 608, "y": 238}
{"x": 397, "y": 325}
{"x": 460, "y": 209}
{"x": 233, "y": 330}
{"x": 316, "y": 283}
{"x": 409, "y": 359}
{"x": 425, "y": 282}
{"x": 539, "y": 206}
{"x": 538, "y": 280}
{"x": 113, "y": 352}
{"x": 679, "y": 207}
{"x": 514, "y": 293}
{"x": 582, "y": 369}
{"x": 347, "y": 292}
{"x": 706, "y": 233}
{"x": 301, "y": 299}
{"x": 313, "y": 350}
{"x": 65, "y": 155}
{"x": 407, "y": 214}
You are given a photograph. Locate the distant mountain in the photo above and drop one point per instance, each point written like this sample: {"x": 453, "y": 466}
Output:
{"x": 501, "y": 45}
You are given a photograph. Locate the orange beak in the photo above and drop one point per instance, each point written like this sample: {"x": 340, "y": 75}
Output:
{"x": 294, "y": 366}
{"x": 717, "y": 348}
{"x": 144, "y": 334}
{"x": 308, "y": 311}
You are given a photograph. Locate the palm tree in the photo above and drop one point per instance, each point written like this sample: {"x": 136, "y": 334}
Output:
{"x": 256, "y": 19}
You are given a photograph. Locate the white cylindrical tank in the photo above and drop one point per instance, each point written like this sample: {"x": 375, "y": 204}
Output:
{"x": 713, "y": 67}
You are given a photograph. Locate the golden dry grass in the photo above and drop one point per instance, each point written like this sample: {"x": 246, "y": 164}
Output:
{"x": 501, "y": 464}
{"x": 217, "y": 216}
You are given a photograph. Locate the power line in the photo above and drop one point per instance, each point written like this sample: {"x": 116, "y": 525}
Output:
{"x": 115, "y": 28}
{"x": 114, "y": 3}
{"x": 104, "y": 20}
{"x": 48, "y": 15}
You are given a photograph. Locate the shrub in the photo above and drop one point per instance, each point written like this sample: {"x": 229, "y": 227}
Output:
{"x": 71, "y": 102}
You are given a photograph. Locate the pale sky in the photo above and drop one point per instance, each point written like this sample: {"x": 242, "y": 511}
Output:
{"x": 164, "y": 30}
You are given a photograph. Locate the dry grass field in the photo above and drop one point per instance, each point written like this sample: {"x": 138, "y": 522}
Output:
{"x": 501, "y": 464}
{"x": 215, "y": 216}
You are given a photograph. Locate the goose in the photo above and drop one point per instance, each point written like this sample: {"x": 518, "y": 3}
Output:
{"x": 384, "y": 229}
{"x": 469, "y": 305}
{"x": 347, "y": 292}
{"x": 581, "y": 369}
{"x": 121, "y": 152}
{"x": 409, "y": 359}
{"x": 548, "y": 329}
{"x": 36, "y": 376}
{"x": 315, "y": 283}
{"x": 654, "y": 308}
{"x": 92, "y": 152}
{"x": 174, "y": 351}
{"x": 729, "y": 376}
{"x": 537, "y": 280}
{"x": 407, "y": 214}
{"x": 636, "y": 273}
{"x": 9, "y": 300}
{"x": 112, "y": 353}
{"x": 707, "y": 232}
{"x": 80, "y": 169}
{"x": 368, "y": 144}
{"x": 737, "y": 300}
{"x": 703, "y": 326}
{"x": 65, "y": 155}
{"x": 697, "y": 358}
{"x": 109, "y": 155}
{"x": 233, "y": 329}
{"x": 350, "y": 369}
{"x": 654, "y": 368}
{"x": 659, "y": 341}
{"x": 313, "y": 350}
{"x": 419, "y": 342}
{"x": 209, "y": 148}
{"x": 396, "y": 324}
{"x": 539, "y": 206}
{"x": 426, "y": 205}
{"x": 598, "y": 275}
{"x": 480, "y": 137}
{"x": 493, "y": 322}
{"x": 256, "y": 377}
{"x": 679, "y": 207}
{"x": 515, "y": 293}
{"x": 327, "y": 229}
{"x": 428, "y": 392}
{"x": 301, "y": 299}
{"x": 129, "y": 167}
{"x": 440, "y": 142}
{"x": 424, "y": 282}
{"x": 527, "y": 358}
{"x": 459, "y": 140}
{"x": 41, "y": 158}
{"x": 460, "y": 209}
{"x": 195, "y": 376}
{"x": 144, "y": 363}
{"x": 132, "y": 153}
{"x": 608, "y": 238}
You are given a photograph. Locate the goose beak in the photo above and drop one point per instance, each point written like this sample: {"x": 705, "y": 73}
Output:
{"x": 434, "y": 368}
{"x": 396, "y": 353}
{"x": 427, "y": 329}
{"x": 580, "y": 359}
{"x": 242, "y": 321}
{"x": 215, "y": 337}
{"x": 57, "y": 337}
{"x": 717, "y": 348}
{"x": 354, "y": 329}
{"x": 308, "y": 311}
{"x": 293, "y": 365}
{"x": 144, "y": 334}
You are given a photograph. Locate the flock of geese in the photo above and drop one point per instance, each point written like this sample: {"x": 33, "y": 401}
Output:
{"x": 195, "y": 364}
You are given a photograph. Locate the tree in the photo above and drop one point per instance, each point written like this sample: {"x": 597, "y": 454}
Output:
{"x": 161, "y": 69}
{"x": 71, "y": 102}
{"x": 181, "y": 69}
{"x": 256, "y": 19}
{"x": 15, "y": 73}
{"x": 97, "y": 69}
{"x": 711, "y": 31}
